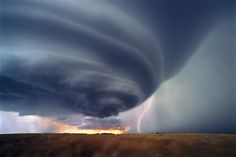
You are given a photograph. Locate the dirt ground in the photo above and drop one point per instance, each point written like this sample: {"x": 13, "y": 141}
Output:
{"x": 153, "y": 145}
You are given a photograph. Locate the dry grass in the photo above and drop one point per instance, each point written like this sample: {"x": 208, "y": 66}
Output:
{"x": 73, "y": 145}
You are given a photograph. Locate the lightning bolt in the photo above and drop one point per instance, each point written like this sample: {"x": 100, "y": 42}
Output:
{"x": 148, "y": 104}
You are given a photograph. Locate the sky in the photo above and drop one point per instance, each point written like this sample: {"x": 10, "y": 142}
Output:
{"x": 201, "y": 97}
{"x": 154, "y": 66}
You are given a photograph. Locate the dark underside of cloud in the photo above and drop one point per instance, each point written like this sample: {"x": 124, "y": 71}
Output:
{"x": 95, "y": 58}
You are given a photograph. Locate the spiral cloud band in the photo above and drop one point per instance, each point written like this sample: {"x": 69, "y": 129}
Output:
{"x": 88, "y": 57}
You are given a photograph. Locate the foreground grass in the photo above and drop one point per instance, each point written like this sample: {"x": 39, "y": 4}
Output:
{"x": 73, "y": 145}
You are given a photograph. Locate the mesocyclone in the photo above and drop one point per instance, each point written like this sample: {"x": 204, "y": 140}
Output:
{"x": 87, "y": 57}
{"x": 77, "y": 55}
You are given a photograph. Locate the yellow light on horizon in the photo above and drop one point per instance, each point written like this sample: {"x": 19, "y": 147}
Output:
{"x": 93, "y": 131}
{"x": 66, "y": 128}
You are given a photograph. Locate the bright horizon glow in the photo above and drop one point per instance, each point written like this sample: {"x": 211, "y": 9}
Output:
{"x": 75, "y": 130}
{"x": 65, "y": 128}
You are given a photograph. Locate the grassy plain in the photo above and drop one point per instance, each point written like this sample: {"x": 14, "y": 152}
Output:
{"x": 150, "y": 145}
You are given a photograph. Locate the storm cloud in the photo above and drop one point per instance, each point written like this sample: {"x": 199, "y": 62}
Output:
{"x": 97, "y": 58}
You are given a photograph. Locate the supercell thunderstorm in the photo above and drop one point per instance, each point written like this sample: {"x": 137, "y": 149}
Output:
{"x": 84, "y": 61}
{"x": 94, "y": 58}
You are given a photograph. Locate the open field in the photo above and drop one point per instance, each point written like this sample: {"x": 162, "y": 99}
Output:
{"x": 74, "y": 145}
